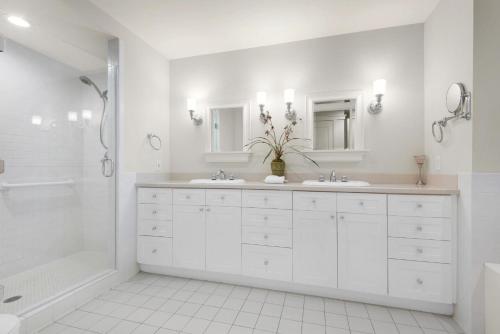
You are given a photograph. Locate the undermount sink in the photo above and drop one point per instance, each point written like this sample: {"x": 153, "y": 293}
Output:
{"x": 352, "y": 183}
{"x": 210, "y": 181}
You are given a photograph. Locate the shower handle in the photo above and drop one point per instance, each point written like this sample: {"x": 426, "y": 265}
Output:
{"x": 107, "y": 166}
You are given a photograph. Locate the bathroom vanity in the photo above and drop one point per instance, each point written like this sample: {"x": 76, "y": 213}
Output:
{"x": 390, "y": 245}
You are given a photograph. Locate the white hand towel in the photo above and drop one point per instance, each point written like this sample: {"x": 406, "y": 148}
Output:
{"x": 274, "y": 179}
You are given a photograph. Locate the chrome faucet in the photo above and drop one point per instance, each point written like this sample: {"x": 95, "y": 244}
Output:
{"x": 220, "y": 175}
{"x": 333, "y": 177}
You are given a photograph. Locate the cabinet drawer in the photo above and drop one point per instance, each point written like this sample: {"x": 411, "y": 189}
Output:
{"x": 223, "y": 197}
{"x": 267, "y": 236}
{"x": 314, "y": 201}
{"x": 267, "y": 262}
{"x": 372, "y": 204}
{"x": 189, "y": 196}
{"x": 155, "y": 228}
{"x": 420, "y": 250}
{"x": 267, "y": 218}
{"x": 420, "y": 228}
{"x": 420, "y": 206}
{"x": 420, "y": 280}
{"x": 154, "y": 212}
{"x": 154, "y": 250}
{"x": 154, "y": 196}
{"x": 272, "y": 199}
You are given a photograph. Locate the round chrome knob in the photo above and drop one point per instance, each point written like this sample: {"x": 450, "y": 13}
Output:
{"x": 332, "y": 217}
{"x": 154, "y": 251}
{"x": 420, "y": 281}
{"x": 154, "y": 196}
{"x": 419, "y": 228}
{"x": 266, "y": 262}
{"x": 313, "y": 201}
{"x": 342, "y": 217}
{"x": 222, "y": 198}
{"x": 155, "y": 228}
{"x": 266, "y": 236}
{"x": 188, "y": 197}
{"x": 420, "y": 206}
{"x": 420, "y": 250}
{"x": 155, "y": 212}
{"x": 361, "y": 203}
{"x": 201, "y": 209}
{"x": 208, "y": 209}
{"x": 265, "y": 218}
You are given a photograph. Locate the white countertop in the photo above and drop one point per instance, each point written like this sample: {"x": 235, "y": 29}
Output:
{"x": 374, "y": 188}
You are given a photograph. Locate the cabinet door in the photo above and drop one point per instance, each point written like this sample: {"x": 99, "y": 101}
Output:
{"x": 315, "y": 248}
{"x": 363, "y": 252}
{"x": 189, "y": 237}
{"x": 224, "y": 239}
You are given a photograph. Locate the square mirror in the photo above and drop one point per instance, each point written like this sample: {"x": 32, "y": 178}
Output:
{"x": 228, "y": 128}
{"x": 333, "y": 126}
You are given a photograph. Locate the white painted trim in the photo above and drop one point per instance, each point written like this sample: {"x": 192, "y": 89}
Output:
{"x": 234, "y": 157}
{"x": 336, "y": 155}
{"x": 359, "y": 140}
{"x": 294, "y": 287}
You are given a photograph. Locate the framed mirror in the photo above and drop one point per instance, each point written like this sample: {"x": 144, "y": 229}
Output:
{"x": 334, "y": 125}
{"x": 228, "y": 128}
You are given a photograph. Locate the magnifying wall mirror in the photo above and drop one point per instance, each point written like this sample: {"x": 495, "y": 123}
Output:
{"x": 455, "y": 98}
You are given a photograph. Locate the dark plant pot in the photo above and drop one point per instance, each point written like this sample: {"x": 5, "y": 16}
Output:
{"x": 278, "y": 167}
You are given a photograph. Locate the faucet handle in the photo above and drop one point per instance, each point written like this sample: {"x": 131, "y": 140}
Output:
{"x": 231, "y": 176}
{"x": 321, "y": 178}
{"x": 214, "y": 177}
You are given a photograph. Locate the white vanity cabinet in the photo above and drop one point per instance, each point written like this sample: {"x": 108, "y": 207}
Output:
{"x": 421, "y": 248}
{"x": 223, "y": 231}
{"x": 385, "y": 247}
{"x": 315, "y": 238}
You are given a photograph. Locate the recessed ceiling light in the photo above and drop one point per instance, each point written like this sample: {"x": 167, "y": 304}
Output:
{"x": 18, "y": 21}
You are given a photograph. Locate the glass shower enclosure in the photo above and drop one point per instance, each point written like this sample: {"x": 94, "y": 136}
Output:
{"x": 57, "y": 177}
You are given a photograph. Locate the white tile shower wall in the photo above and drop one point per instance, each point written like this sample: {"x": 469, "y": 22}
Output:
{"x": 39, "y": 225}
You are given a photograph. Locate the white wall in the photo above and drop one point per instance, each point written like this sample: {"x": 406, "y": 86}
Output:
{"x": 448, "y": 58}
{"x": 339, "y": 63}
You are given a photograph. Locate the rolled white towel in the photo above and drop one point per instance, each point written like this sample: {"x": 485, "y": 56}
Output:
{"x": 274, "y": 179}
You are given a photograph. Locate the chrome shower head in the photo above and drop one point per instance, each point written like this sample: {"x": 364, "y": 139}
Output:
{"x": 87, "y": 81}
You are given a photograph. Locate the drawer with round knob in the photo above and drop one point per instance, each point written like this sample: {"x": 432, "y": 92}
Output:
{"x": 420, "y": 228}
{"x": 371, "y": 204}
{"x": 223, "y": 197}
{"x": 154, "y": 212}
{"x": 154, "y": 251}
{"x": 155, "y": 228}
{"x": 314, "y": 201}
{"x": 154, "y": 196}
{"x": 267, "y": 236}
{"x": 432, "y": 282}
{"x": 420, "y": 250}
{"x": 272, "y": 199}
{"x": 189, "y": 197}
{"x": 267, "y": 262}
{"x": 267, "y": 218}
{"x": 420, "y": 206}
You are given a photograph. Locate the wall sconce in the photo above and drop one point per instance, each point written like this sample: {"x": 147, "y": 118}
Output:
{"x": 289, "y": 97}
{"x": 261, "y": 101}
{"x": 191, "y": 106}
{"x": 379, "y": 88}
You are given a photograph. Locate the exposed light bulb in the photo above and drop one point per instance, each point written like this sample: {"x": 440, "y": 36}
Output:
{"x": 18, "y": 21}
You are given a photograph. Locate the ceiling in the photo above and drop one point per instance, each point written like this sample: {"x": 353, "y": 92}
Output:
{"x": 184, "y": 28}
{"x": 57, "y": 31}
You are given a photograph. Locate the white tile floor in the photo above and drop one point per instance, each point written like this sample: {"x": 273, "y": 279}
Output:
{"x": 158, "y": 304}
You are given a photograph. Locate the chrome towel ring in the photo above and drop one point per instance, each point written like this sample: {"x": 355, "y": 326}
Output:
{"x": 154, "y": 141}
